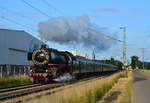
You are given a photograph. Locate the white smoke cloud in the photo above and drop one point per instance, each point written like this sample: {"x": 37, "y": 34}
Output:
{"x": 74, "y": 30}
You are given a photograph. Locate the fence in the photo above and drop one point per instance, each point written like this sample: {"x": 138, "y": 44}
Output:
{"x": 14, "y": 70}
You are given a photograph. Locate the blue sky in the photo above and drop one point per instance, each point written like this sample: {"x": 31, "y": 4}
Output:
{"x": 110, "y": 14}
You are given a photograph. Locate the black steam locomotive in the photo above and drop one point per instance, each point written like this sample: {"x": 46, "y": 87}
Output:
{"x": 53, "y": 65}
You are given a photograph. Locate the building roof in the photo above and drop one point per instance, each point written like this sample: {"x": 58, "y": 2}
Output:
{"x": 13, "y": 30}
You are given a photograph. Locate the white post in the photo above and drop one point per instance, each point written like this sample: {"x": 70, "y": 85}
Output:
{"x": 19, "y": 70}
{"x": 24, "y": 70}
{"x": 1, "y": 71}
{"x": 14, "y": 70}
{"x": 7, "y": 70}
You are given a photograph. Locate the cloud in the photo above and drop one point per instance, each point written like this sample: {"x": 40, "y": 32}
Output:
{"x": 105, "y": 9}
{"x": 75, "y": 30}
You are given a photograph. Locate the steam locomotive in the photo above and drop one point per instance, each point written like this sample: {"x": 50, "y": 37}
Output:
{"x": 54, "y": 65}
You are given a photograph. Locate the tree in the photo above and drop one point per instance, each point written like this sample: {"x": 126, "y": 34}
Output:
{"x": 135, "y": 62}
{"x": 113, "y": 62}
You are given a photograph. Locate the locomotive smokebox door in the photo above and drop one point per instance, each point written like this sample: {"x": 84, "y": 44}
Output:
{"x": 29, "y": 55}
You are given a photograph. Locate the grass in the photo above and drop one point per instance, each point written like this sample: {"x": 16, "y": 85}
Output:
{"x": 121, "y": 92}
{"x": 16, "y": 80}
{"x": 145, "y": 72}
{"x": 89, "y": 92}
{"x": 126, "y": 96}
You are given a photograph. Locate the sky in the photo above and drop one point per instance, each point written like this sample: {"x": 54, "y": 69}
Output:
{"x": 109, "y": 14}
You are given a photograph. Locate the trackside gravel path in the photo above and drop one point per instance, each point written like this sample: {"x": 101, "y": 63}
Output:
{"x": 141, "y": 88}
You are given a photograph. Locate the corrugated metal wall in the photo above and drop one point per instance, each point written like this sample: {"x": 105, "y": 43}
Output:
{"x": 14, "y": 46}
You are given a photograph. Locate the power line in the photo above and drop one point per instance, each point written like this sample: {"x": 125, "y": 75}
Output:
{"x": 8, "y": 10}
{"x": 38, "y": 10}
{"x": 12, "y": 21}
{"x": 49, "y": 5}
{"x": 110, "y": 37}
{"x": 143, "y": 56}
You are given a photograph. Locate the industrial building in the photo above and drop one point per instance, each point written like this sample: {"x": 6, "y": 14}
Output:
{"x": 14, "y": 45}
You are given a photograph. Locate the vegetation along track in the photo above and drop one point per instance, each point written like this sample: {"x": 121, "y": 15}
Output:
{"x": 50, "y": 88}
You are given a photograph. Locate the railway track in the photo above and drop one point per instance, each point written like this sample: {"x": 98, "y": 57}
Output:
{"x": 21, "y": 91}
{"x": 18, "y": 87}
{"x": 27, "y": 93}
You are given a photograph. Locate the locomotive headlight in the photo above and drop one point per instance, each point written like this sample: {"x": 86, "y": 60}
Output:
{"x": 46, "y": 70}
{"x": 31, "y": 70}
{"x": 40, "y": 57}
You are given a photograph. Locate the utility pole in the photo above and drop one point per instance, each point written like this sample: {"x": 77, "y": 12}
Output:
{"x": 124, "y": 50}
{"x": 94, "y": 58}
{"x": 143, "y": 56}
{"x": 143, "y": 51}
{"x": 124, "y": 46}
{"x": 93, "y": 54}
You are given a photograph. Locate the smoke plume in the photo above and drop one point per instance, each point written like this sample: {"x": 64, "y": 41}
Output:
{"x": 75, "y": 30}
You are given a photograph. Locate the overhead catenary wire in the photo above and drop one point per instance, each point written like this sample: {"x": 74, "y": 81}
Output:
{"x": 8, "y": 10}
{"x": 38, "y": 10}
{"x": 12, "y": 21}
{"x": 49, "y": 5}
{"x": 110, "y": 37}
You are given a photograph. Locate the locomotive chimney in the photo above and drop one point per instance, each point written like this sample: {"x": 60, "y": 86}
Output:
{"x": 43, "y": 46}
